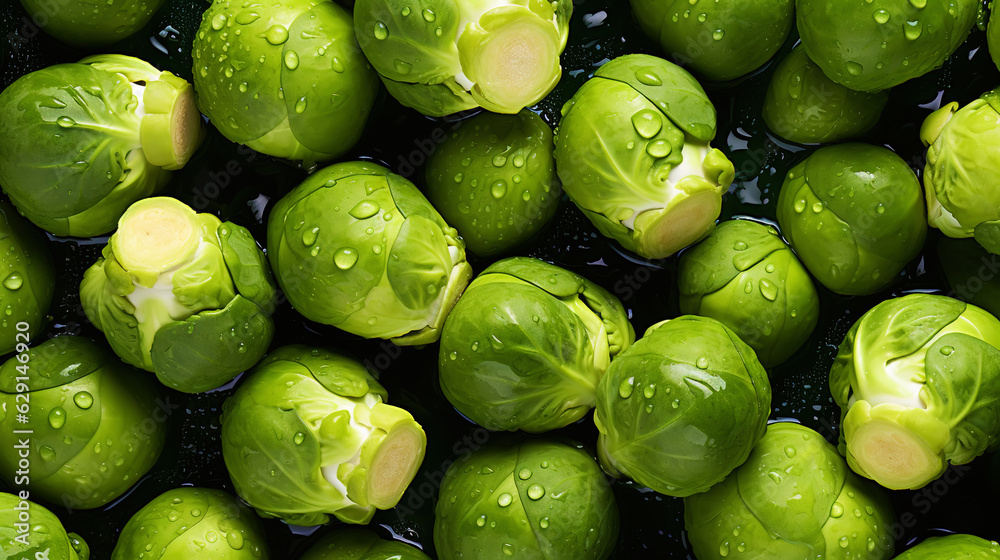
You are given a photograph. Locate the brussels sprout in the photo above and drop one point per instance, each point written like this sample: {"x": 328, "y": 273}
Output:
{"x": 961, "y": 179}
{"x": 356, "y": 544}
{"x": 531, "y": 500}
{"x": 682, "y": 407}
{"x": 970, "y": 271}
{"x": 182, "y": 295}
{"x": 454, "y": 55}
{"x": 285, "y": 78}
{"x": 854, "y": 214}
{"x": 804, "y": 106}
{"x": 28, "y": 530}
{"x": 91, "y": 23}
{"x": 725, "y": 40}
{"x": 527, "y": 344}
{"x": 744, "y": 276}
{"x": 495, "y": 180}
{"x": 309, "y": 434}
{"x": 918, "y": 382}
{"x": 793, "y": 498}
{"x": 192, "y": 523}
{"x": 28, "y": 282}
{"x": 84, "y": 141}
{"x": 97, "y": 424}
{"x": 870, "y": 45}
{"x": 632, "y": 152}
{"x": 953, "y": 547}
{"x": 360, "y": 248}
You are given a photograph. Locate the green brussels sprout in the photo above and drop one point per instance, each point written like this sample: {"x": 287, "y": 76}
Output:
{"x": 357, "y": 544}
{"x": 854, "y": 214}
{"x": 970, "y": 271}
{"x": 744, "y": 276}
{"x": 803, "y": 105}
{"x": 917, "y": 379}
{"x": 444, "y": 56}
{"x": 285, "y": 78}
{"x": 532, "y": 499}
{"x": 192, "y": 523}
{"x": 720, "y": 41}
{"x": 793, "y": 498}
{"x": 682, "y": 407}
{"x": 953, "y": 547}
{"x": 495, "y": 179}
{"x": 97, "y": 424}
{"x": 28, "y": 530}
{"x": 527, "y": 345}
{"x": 83, "y": 141}
{"x": 182, "y": 294}
{"x": 28, "y": 280}
{"x": 358, "y": 247}
{"x": 632, "y": 152}
{"x": 961, "y": 178}
{"x": 871, "y": 45}
{"x": 91, "y": 23}
{"x": 309, "y": 434}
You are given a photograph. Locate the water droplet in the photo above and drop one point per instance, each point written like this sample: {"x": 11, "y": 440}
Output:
{"x": 337, "y": 66}
{"x": 57, "y": 417}
{"x": 406, "y": 11}
{"x": 519, "y": 161}
{"x": 769, "y": 268}
{"x": 345, "y": 258}
{"x": 499, "y": 189}
{"x": 525, "y": 474}
{"x": 648, "y": 78}
{"x": 486, "y": 470}
{"x": 724, "y": 549}
{"x": 774, "y": 476}
{"x": 246, "y": 17}
{"x": 844, "y": 542}
{"x": 505, "y": 500}
{"x": 508, "y": 549}
{"x": 535, "y": 492}
{"x": 768, "y": 290}
{"x": 310, "y": 236}
{"x": 647, "y": 123}
{"x": 526, "y": 196}
{"x": 299, "y": 438}
{"x": 817, "y": 207}
{"x": 402, "y": 66}
{"x": 947, "y": 350}
{"x": 789, "y": 451}
{"x": 659, "y": 149}
{"x": 740, "y": 246}
{"x": 218, "y": 22}
{"x": 46, "y": 453}
{"x": 676, "y": 403}
{"x": 718, "y": 34}
{"x": 881, "y": 16}
{"x": 276, "y": 35}
{"x": 83, "y": 400}
{"x": 649, "y": 391}
{"x": 65, "y": 122}
{"x": 626, "y": 387}
{"x": 702, "y": 363}
{"x": 381, "y": 31}
{"x": 13, "y": 282}
{"x": 195, "y": 512}
{"x": 912, "y": 30}
{"x": 364, "y": 209}
{"x": 429, "y": 15}
{"x": 235, "y": 539}
{"x": 855, "y": 69}
{"x": 800, "y": 206}
{"x": 292, "y": 61}
{"x": 544, "y": 523}
{"x": 481, "y": 520}
{"x": 300, "y": 105}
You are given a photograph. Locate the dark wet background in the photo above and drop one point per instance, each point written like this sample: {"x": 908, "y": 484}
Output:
{"x": 240, "y": 185}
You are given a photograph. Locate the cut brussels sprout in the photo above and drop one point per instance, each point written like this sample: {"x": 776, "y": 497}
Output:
{"x": 793, "y": 498}
{"x": 495, "y": 180}
{"x": 27, "y": 279}
{"x": 445, "y": 56}
{"x": 285, "y": 77}
{"x": 744, "y": 276}
{"x": 854, "y": 214}
{"x": 192, "y": 523}
{"x": 632, "y": 152}
{"x": 876, "y": 44}
{"x": 961, "y": 179}
{"x": 358, "y": 247}
{"x": 182, "y": 295}
{"x": 356, "y": 544}
{"x": 308, "y": 435}
{"x": 918, "y": 382}
{"x": 953, "y": 547}
{"x": 527, "y": 345}
{"x": 83, "y": 141}
{"x": 28, "y": 531}
{"x": 91, "y": 23}
{"x": 971, "y": 272}
{"x": 532, "y": 499}
{"x": 97, "y": 425}
{"x": 804, "y": 106}
{"x": 719, "y": 40}
{"x": 682, "y": 407}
